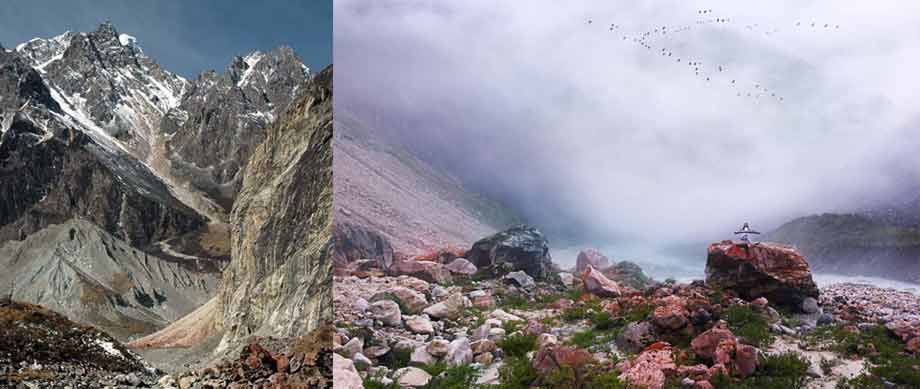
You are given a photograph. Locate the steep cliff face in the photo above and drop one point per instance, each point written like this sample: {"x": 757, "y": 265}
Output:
{"x": 279, "y": 280}
{"x": 79, "y": 270}
{"x": 223, "y": 117}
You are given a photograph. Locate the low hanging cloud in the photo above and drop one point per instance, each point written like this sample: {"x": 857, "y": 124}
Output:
{"x": 591, "y": 135}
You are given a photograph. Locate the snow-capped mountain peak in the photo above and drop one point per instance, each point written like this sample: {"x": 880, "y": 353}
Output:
{"x": 107, "y": 83}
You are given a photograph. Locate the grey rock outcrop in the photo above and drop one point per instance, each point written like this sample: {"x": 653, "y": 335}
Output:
{"x": 222, "y": 118}
{"x": 279, "y": 281}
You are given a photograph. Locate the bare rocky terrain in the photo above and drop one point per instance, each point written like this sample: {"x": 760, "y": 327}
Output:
{"x": 189, "y": 219}
{"x": 516, "y": 321}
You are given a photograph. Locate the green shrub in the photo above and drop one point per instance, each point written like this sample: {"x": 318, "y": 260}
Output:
{"x": 749, "y": 325}
{"x": 513, "y": 301}
{"x": 396, "y": 359}
{"x": 890, "y": 360}
{"x": 604, "y": 321}
{"x": 457, "y": 377}
{"x": 374, "y": 382}
{"x": 783, "y": 371}
{"x": 518, "y": 345}
{"x": 516, "y": 373}
{"x": 862, "y": 381}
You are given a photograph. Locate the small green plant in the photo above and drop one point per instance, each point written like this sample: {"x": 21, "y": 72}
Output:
{"x": 396, "y": 359}
{"x": 604, "y": 321}
{"x": 862, "y": 381}
{"x": 518, "y": 345}
{"x": 457, "y": 377}
{"x": 575, "y": 313}
{"x": 376, "y": 382}
{"x": 749, "y": 325}
{"x": 885, "y": 352}
{"x": 516, "y": 373}
{"x": 637, "y": 314}
{"x": 513, "y": 301}
{"x": 782, "y": 371}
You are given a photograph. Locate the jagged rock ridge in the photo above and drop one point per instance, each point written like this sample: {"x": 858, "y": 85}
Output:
{"x": 223, "y": 117}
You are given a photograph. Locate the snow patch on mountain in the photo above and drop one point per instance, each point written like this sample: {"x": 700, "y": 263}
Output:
{"x": 251, "y": 61}
{"x": 127, "y": 40}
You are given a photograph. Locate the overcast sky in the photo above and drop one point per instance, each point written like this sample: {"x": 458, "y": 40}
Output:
{"x": 594, "y": 135}
{"x": 186, "y": 37}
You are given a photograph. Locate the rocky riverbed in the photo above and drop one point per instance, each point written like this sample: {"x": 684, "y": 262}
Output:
{"x": 517, "y": 321}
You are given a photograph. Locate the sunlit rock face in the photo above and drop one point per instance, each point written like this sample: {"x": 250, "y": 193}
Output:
{"x": 754, "y": 270}
{"x": 279, "y": 281}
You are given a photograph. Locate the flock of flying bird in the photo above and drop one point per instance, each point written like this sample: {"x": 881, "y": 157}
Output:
{"x": 718, "y": 73}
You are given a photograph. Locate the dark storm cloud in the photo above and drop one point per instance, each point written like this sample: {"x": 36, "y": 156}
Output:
{"x": 590, "y": 135}
{"x": 186, "y": 37}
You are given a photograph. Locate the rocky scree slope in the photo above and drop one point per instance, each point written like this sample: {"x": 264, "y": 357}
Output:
{"x": 40, "y": 348}
{"x": 79, "y": 270}
{"x": 388, "y": 198}
{"x": 591, "y": 331}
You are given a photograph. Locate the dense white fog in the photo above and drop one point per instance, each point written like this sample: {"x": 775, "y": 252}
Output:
{"x": 602, "y": 138}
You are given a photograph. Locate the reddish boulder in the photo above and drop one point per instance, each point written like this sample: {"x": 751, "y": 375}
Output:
{"x": 760, "y": 303}
{"x": 590, "y": 257}
{"x": 462, "y": 266}
{"x": 424, "y": 270}
{"x": 724, "y": 351}
{"x": 705, "y": 344}
{"x": 651, "y": 367}
{"x": 695, "y": 372}
{"x": 752, "y": 270}
{"x": 745, "y": 360}
{"x": 702, "y": 385}
{"x": 644, "y": 374}
{"x": 913, "y": 345}
{"x": 597, "y": 284}
{"x": 671, "y": 315}
{"x": 553, "y": 357}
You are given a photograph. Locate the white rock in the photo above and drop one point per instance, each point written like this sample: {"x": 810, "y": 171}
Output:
{"x": 459, "y": 352}
{"x": 346, "y": 376}
{"x": 411, "y": 377}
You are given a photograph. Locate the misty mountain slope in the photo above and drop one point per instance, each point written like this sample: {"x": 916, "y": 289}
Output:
{"x": 55, "y": 166}
{"x": 210, "y": 135}
{"x": 855, "y": 244}
{"x": 78, "y": 269}
{"x": 279, "y": 280}
{"x": 385, "y": 189}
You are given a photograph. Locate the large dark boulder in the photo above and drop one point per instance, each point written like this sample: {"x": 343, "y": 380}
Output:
{"x": 517, "y": 248}
{"x": 627, "y": 273}
{"x": 353, "y": 242}
{"x": 754, "y": 270}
